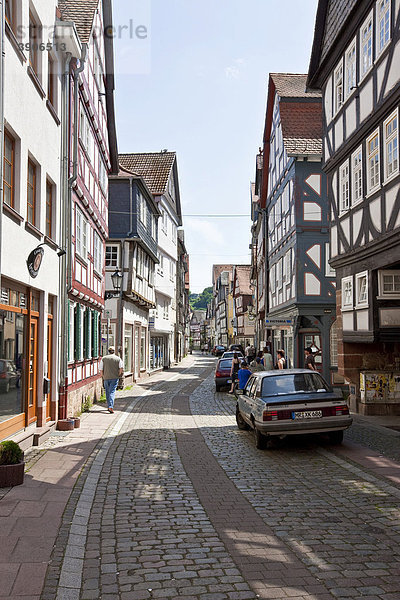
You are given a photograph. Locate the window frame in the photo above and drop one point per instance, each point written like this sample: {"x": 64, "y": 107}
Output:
{"x": 348, "y": 91}
{"x": 337, "y": 85}
{"x": 81, "y": 244}
{"x": 112, "y": 247}
{"x": 49, "y": 208}
{"x": 34, "y": 43}
{"x": 361, "y": 303}
{"x": 11, "y": 185}
{"x": 387, "y": 295}
{"x": 357, "y": 177}
{"x": 370, "y": 38}
{"x": 97, "y": 253}
{"x": 344, "y": 180}
{"x": 51, "y": 81}
{"x": 369, "y": 155}
{"x": 329, "y": 271}
{"x": 388, "y": 10}
{"x": 32, "y": 187}
{"x": 350, "y": 305}
{"x": 388, "y": 139}
{"x": 11, "y": 18}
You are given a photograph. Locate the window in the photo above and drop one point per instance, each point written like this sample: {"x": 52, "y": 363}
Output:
{"x": 344, "y": 188}
{"x": 143, "y": 349}
{"x": 350, "y": 60}
{"x": 71, "y": 331}
{"x": 81, "y": 234}
{"x": 102, "y": 175}
{"x": 9, "y": 169}
{"x": 362, "y": 289}
{"x": 334, "y": 344}
{"x": 34, "y": 43}
{"x": 164, "y": 222}
{"x": 166, "y": 309}
{"x": 391, "y": 133}
{"x": 31, "y": 198}
{"x": 171, "y": 270}
{"x": 51, "y": 80}
{"x": 49, "y": 208}
{"x": 279, "y": 278}
{"x": 366, "y": 46}
{"x": 383, "y": 24}
{"x": 287, "y": 266}
{"x": 98, "y": 70}
{"x": 389, "y": 283}
{"x": 86, "y": 136}
{"x": 142, "y": 208}
{"x": 112, "y": 256}
{"x": 329, "y": 272}
{"x": 357, "y": 187}
{"x": 373, "y": 162}
{"x": 338, "y": 76}
{"x": 98, "y": 253}
{"x": 347, "y": 293}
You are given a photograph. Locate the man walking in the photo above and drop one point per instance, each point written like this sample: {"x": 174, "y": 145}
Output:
{"x": 111, "y": 368}
{"x": 310, "y": 360}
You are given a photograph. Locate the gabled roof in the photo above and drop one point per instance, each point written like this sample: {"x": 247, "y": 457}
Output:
{"x": 292, "y": 85}
{"x": 82, "y": 13}
{"x": 218, "y": 269}
{"x": 242, "y": 280}
{"x": 330, "y": 23}
{"x": 155, "y": 167}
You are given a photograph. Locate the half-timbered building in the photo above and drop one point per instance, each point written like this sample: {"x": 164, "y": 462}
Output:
{"x": 242, "y": 293}
{"x": 132, "y": 250}
{"x": 301, "y": 284}
{"x": 91, "y": 157}
{"x": 356, "y": 63}
{"x": 160, "y": 171}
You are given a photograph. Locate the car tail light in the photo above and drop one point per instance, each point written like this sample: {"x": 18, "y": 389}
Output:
{"x": 270, "y": 415}
{"x": 3, "y": 375}
{"x": 219, "y": 374}
{"x": 341, "y": 410}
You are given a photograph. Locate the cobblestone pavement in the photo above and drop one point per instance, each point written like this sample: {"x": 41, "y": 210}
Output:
{"x": 178, "y": 503}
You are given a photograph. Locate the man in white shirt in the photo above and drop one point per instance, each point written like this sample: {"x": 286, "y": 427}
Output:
{"x": 111, "y": 368}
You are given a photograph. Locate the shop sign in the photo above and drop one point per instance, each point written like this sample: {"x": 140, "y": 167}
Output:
{"x": 34, "y": 261}
{"x": 279, "y": 321}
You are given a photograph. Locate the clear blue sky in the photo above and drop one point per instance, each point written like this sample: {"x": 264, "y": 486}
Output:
{"x": 204, "y": 95}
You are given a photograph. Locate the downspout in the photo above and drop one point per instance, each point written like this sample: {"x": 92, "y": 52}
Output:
{"x": 66, "y": 282}
{"x": 63, "y": 323}
{"x": 2, "y": 25}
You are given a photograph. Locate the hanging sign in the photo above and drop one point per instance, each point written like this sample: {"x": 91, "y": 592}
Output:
{"x": 34, "y": 261}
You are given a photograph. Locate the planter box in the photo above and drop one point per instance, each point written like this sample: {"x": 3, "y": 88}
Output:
{"x": 77, "y": 422}
{"x": 66, "y": 424}
{"x": 12, "y": 475}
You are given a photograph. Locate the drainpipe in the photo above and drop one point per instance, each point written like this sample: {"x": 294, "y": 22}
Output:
{"x": 2, "y": 25}
{"x": 63, "y": 323}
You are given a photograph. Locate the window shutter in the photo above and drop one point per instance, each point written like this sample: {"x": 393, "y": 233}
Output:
{"x": 86, "y": 330}
{"x": 95, "y": 335}
{"x": 78, "y": 337}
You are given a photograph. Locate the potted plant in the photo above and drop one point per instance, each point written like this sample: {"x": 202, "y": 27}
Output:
{"x": 66, "y": 424}
{"x": 12, "y": 464}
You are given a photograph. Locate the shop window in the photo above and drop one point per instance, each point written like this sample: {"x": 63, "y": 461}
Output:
{"x": 128, "y": 348}
{"x": 13, "y": 363}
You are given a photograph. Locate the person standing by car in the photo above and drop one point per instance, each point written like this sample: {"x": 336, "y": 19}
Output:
{"x": 234, "y": 371}
{"x": 310, "y": 360}
{"x": 268, "y": 360}
{"x": 281, "y": 363}
{"x": 243, "y": 375}
{"x": 256, "y": 365}
{"x": 111, "y": 368}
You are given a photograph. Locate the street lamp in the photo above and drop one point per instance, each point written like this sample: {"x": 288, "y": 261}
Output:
{"x": 116, "y": 279}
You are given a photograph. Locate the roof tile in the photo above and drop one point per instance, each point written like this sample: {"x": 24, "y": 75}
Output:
{"x": 154, "y": 167}
{"x": 82, "y": 13}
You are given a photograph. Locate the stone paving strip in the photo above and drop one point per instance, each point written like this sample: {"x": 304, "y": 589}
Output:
{"x": 341, "y": 522}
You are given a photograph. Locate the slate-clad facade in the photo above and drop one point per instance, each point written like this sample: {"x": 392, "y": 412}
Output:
{"x": 300, "y": 285}
{"x": 132, "y": 250}
{"x": 356, "y": 63}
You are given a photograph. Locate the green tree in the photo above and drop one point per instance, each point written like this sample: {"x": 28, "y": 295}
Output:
{"x": 200, "y": 301}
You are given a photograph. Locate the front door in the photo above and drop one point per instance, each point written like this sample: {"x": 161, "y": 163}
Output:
{"x": 49, "y": 363}
{"x": 313, "y": 341}
{"x": 32, "y": 370}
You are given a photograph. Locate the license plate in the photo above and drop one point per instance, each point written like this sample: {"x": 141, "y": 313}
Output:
{"x": 308, "y": 414}
{"x": 229, "y": 381}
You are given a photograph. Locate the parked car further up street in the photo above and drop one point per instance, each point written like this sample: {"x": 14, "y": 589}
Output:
{"x": 291, "y": 402}
{"x": 223, "y": 373}
{"x": 237, "y": 347}
{"x": 218, "y": 350}
{"x": 230, "y": 354}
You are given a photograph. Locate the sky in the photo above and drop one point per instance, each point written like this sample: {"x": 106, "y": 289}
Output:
{"x": 192, "y": 77}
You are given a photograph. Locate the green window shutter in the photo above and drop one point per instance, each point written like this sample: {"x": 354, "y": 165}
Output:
{"x": 95, "y": 334}
{"x": 78, "y": 337}
{"x": 86, "y": 332}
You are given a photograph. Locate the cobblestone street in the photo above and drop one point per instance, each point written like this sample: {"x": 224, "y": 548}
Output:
{"x": 176, "y": 502}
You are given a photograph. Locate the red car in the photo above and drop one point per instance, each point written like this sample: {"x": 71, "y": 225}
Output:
{"x": 223, "y": 373}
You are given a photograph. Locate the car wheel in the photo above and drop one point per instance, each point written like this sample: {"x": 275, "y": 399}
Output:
{"x": 336, "y": 437}
{"x": 259, "y": 439}
{"x": 241, "y": 423}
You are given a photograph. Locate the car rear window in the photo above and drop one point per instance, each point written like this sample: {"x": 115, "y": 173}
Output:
{"x": 293, "y": 383}
{"x": 225, "y": 364}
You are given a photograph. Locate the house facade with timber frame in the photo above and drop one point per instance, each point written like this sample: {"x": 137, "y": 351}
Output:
{"x": 355, "y": 62}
